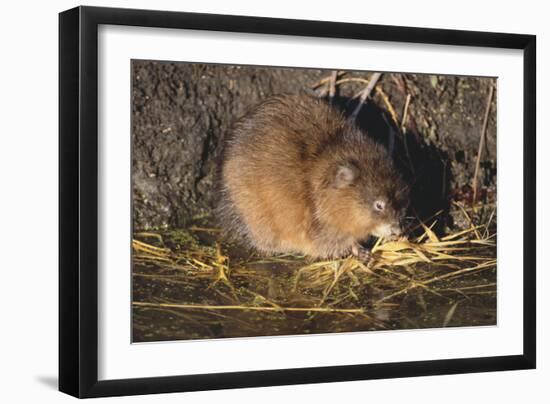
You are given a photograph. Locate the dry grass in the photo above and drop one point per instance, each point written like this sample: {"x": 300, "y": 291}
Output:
{"x": 427, "y": 261}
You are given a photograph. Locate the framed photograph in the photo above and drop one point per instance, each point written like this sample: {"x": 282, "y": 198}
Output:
{"x": 251, "y": 201}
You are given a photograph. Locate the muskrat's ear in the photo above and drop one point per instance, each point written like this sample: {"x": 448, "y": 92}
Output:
{"x": 345, "y": 175}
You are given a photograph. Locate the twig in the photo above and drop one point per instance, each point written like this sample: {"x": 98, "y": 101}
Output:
{"x": 485, "y": 265}
{"x": 332, "y": 85}
{"x": 485, "y": 285}
{"x": 415, "y": 284}
{"x": 325, "y": 80}
{"x": 450, "y": 314}
{"x": 148, "y": 234}
{"x": 469, "y": 219}
{"x": 365, "y": 94}
{"x": 486, "y": 232}
{"x": 405, "y": 112}
{"x": 390, "y": 108}
{"x": 352, "y": 79}
{"x": 482, "y": 141}
{"x": 404, "y": 132}
{"x": 205, "y": 229}
{"x": 256, "y": 308}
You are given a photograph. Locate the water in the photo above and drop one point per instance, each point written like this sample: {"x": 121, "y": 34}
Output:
{"x": 263, "y": 296}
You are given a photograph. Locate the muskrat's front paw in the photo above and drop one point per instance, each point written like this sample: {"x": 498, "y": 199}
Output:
{"x": 362, "y": 253}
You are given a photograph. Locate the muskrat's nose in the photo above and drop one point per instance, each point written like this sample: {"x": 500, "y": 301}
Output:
{"x": 396, "y": 230}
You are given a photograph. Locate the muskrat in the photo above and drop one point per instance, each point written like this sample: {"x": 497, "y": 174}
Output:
{"x": 298, "y": 177}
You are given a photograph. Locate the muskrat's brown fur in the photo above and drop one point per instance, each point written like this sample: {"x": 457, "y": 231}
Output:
{"x": 298, "y": 177}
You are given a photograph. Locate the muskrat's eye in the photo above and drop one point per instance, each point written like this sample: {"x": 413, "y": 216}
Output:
{"x": 379, "y": 206}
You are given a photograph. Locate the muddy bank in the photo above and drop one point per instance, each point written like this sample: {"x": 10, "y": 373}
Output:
{"x": 181, "y": 113}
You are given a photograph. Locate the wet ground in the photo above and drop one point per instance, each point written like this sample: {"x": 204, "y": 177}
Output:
{"x": 188, "y": 285}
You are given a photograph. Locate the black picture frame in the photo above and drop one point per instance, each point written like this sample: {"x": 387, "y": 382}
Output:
{"x": 78, "y": 201}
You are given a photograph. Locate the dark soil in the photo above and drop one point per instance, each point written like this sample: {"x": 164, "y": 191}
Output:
{"x": 181, "y": 113}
